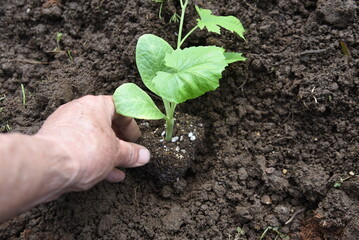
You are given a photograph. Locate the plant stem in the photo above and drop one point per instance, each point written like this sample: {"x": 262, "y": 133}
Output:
{"x": 183, "y": 6}
{"x": 23, "y": 94}
{"x": 170, "y": 106}
{"x": 169, "y": 129}
{"x": 189, "y": 33}
{"x": 167, "y": 106}
{"x": 170, "y": 109}
{"x": 160, "y": 12}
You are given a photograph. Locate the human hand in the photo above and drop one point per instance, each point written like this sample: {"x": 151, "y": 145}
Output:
{"x": 94, "y": 137}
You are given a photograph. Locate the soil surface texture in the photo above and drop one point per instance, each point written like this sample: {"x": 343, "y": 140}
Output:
{"x": 281, "y": 151}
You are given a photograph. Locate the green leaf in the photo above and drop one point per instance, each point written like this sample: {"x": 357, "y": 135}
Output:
{"x": 150, "y": 58}
{"x": 132, "y": 101}
{"x": 212, "y": 22}
{"x": 232, "y": 57}
{"x": 195, "y": 70}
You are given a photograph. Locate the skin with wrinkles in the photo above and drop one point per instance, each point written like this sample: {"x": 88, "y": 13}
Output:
{"x": 79, "y": 145}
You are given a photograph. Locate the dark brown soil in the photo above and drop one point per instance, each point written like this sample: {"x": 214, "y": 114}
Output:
{"x": 282, "y": 129}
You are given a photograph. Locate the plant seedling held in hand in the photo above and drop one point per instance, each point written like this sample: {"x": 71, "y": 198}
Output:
{"x": 176, "y": 75}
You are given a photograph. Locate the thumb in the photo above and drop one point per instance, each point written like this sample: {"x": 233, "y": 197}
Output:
{"x": 131, "y": 155}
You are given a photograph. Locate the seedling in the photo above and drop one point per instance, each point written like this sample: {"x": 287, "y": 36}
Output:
{"x": 240, "y": 235}
{"x": 2, "y": 98}
{"x": 58, "y": 39}
{"x": 5, "y": 128}
{"x": 176, "y": 75}
{"x": 345, "y": 49}
{"x": 160, "y": 11}
{"x": 58, "y": 49}
{"x": 276, "y": 230}
{"x": 23, "y": 94}
{"x": 175, "y": 18}
{"x": 340, "y": 182}
{"x": 69, "y": 55}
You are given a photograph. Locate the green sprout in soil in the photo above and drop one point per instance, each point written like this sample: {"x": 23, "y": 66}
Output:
{"x": 340, "y": 182}
{"x": 58, "y": 49}
{"x": 345, "y": 49}
{"x": 275, "y": 230}
{"x": 176, "y": 75}
{"x": 240, "y": 235}
{"x": 5, "y": 128}
{"x": 161, "y": 7}
{"x": 2, "y": 98}
{"x": 69, "y": 55}
{"x": 175, "y": 18}
{"x": 58, "y": 39}
{"x": 23, "y": 94}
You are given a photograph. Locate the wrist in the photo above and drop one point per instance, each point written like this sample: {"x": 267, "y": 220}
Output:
{"x": 34, "y": 169}
{"x": 63, "y": 169}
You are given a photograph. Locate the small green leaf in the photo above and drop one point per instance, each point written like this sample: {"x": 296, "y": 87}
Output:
{"x": 150, "y": 58}
{"x": 195, "y": 70}
{"x": 232, "y": 57}
{"x": 212, "y": 22}
{"x": 58, "y": 37}
{"x": 132, "y": 101}
{"x": 337, "y": 184}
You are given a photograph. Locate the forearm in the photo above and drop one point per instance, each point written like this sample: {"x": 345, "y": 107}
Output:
{"x": 32, "y": 170}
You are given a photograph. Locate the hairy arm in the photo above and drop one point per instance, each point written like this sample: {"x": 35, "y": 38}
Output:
{"x": 79, "y": 145}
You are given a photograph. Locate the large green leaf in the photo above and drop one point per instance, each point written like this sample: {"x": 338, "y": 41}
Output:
{"x": 212, "y": 22}
{"x": 132, "y": 101}
{"x": 195, "y": 70}
{"x": 232, "y": 57}
{"x": 150, "y": 58}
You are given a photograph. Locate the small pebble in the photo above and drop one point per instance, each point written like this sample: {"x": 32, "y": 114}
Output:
{"x": 146, "y": 124}
{"x": 266, "y": 200}
{"x": 178, "y": 149}
{"x": 270, "y": 170}
{"x": 190, "y": 134}
{"x": 192, "y": 138}
{"x": 284, "y": 171}
{"x": 181, "y": 138}
{"x": 351, "y": 173}
{"x": 175, "y": 139}
{"x": 28, "y": 10}
{"x": 163, "y": 133}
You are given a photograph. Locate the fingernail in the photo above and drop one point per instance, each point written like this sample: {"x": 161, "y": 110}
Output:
{"x": 143, "y": 156}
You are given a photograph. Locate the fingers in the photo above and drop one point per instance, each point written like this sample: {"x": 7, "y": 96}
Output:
{"x": 126, "y": 128}
{"x": 116, "y": 175}
{"x": 131, "y": 155}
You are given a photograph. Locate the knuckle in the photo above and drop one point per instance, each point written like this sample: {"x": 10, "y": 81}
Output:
{"x": 87, "y": 99}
